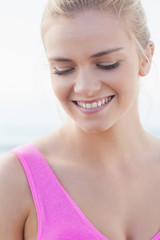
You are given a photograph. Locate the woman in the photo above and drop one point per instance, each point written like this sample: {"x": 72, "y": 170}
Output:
{"x": 98, "y": 176}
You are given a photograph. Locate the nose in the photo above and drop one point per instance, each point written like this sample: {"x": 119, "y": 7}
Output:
{"x": 86, "y": 84}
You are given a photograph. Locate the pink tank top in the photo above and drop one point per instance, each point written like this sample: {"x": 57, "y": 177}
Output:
{"x": 59, "y": 217}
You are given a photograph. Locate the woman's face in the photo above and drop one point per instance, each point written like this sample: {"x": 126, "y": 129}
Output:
{"x": 94, "y": 69}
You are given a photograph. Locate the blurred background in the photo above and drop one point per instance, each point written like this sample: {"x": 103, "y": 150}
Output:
{"x": 28, "y": 107}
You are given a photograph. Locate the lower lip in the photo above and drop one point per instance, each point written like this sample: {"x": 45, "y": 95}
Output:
{"x": 92, "y": 110}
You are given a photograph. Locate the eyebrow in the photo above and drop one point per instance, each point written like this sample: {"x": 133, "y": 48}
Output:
{"x": 100, "y": 54}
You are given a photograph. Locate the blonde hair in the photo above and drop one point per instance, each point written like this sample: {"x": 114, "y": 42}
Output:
{"x": 131, "y": 11}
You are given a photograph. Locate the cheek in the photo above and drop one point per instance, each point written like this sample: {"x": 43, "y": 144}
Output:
{"x": 126, "y": 81}
{"x": 61, "y": 88}
{"x": 125, "y": 84}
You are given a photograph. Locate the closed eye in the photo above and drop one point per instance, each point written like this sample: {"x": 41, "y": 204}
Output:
{"x": 64, "y": 72}
{"x": 103, "y": 67}
{"x": 108, "y": 67}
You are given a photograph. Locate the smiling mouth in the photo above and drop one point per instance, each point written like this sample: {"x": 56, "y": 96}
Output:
{"x": 94, "y": 104}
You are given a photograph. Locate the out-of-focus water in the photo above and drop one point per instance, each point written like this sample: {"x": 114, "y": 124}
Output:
{"x": 22, "y": 122}
{"x": 19, "y": 135}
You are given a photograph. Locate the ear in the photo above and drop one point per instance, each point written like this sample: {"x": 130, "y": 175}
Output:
{"x": 145, "y": 63}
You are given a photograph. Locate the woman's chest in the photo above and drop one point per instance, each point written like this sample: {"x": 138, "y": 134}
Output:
{"x": 117, "y": 212}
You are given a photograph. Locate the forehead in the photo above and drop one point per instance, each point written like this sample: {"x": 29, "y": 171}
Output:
{"x": 86, "y": 32}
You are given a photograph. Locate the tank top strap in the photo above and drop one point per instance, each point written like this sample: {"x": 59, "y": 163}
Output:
{"x": 56, "y": 214}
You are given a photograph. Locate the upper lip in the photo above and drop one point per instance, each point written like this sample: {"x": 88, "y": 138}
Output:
{"x": 93, "y": 100}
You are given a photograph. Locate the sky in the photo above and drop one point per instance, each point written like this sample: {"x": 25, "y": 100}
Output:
{"x": 26, "y": 97}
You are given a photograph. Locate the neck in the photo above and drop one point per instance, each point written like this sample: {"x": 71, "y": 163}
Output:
{"x": 121, "y": 143}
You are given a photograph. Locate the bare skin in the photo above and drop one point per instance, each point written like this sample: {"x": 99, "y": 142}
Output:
{"x": 115, "y": 163}
{"x": 122, "y": 195}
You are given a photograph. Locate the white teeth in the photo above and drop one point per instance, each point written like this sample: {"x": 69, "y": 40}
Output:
{"x": 88, "y": 105}
{"x": 80, "y": 104}
{"x": 84, "y": 105}
{"x": 99, "y": 103}
{"x": 94, "y": 104}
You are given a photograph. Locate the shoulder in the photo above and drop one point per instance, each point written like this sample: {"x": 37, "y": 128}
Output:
{"x": 15, "y": 197}
{"x": 11, "y": 171}
{"x": 49, "y": 144}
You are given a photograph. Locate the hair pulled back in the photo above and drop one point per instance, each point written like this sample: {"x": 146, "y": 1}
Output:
{"x": 130, "y": 11}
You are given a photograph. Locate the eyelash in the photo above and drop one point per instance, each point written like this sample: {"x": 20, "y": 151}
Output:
{"x": 103, "y": 67}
